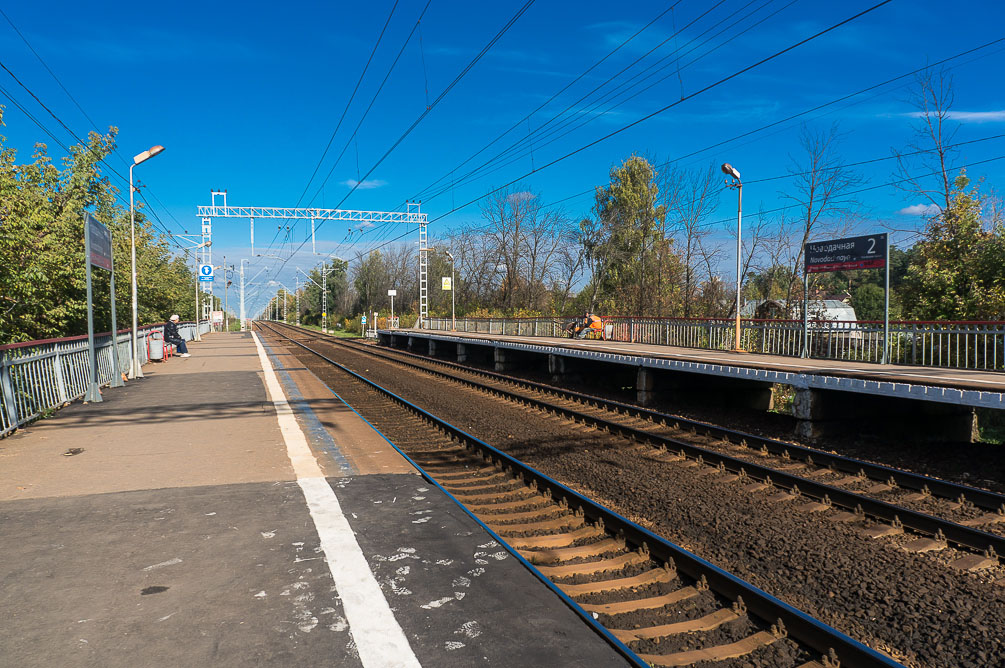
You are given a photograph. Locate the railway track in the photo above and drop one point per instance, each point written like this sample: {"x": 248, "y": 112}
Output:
{"x": 942, "y": 514}
{"x": 658, "y": 603}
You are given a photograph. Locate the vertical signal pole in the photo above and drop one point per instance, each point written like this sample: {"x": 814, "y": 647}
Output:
{"x": 886, "y": 301}
{"x": 413, "y": 208}
{"x": 324, "y": 299}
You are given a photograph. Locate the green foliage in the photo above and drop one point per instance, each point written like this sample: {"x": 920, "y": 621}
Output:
{"x": 958, "y": 270}
{"x": 629, "y": 255}
{"x": 42, "y": 271}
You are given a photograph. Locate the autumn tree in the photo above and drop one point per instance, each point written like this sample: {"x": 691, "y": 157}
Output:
{"x": 958, "y": 269}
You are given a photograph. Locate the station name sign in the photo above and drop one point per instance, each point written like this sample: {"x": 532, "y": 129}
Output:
{"x": 100, "y": 242}
{"x": 866, "y": 252}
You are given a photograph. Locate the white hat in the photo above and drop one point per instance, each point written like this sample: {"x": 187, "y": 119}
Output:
{"x": 175, "y": 317}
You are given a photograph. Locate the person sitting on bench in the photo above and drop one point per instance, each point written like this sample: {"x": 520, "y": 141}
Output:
{"x": 171, "y": 335}
{"x": 591, "y": 323}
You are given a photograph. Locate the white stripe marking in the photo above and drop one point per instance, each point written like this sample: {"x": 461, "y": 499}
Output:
{"x": 378, "y": 636}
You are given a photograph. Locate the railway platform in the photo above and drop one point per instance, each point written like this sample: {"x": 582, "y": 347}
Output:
{"x": 926, "y": 402}
{"x": 229, "y": 509}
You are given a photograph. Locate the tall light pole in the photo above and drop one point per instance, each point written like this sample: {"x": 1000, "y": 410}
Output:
{"x": 729, "y": 170}
{"x": 453, "y": 291}
{"x": 134, "y": 368}
{"x": 242, "y": 293}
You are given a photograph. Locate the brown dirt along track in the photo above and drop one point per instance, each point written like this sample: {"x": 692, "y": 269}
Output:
{"x": 927, "y": 614}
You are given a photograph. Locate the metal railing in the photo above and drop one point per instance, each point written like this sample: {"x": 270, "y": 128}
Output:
{"x": 39, "y": 376}
{"x": 959, "y": 345}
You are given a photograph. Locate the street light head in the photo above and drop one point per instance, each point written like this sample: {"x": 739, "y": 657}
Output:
{"x": 146, "y": 155}
{"x": 730, "y": 170}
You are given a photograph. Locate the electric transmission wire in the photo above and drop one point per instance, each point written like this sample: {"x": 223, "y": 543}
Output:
{"x": 94, "y": 125}
{"x": 683, "y": 99}
{"x": 470, "y": 176}
{"x": 349, "y": 103}
{"x": 440, "y": 97}
{"x": 428, "y": 109}
{"x": 366, "y": 112}
{"x": 805, "y": 112}
{"x": 68, "y": 149}
{"x": 520, "y": 122}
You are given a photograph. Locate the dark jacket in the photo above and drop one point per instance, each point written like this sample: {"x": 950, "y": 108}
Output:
{"x": 171, "y": 331}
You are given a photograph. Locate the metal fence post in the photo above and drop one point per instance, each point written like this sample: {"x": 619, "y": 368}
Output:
{"x": 7, "y": 389}
{"x": 57, "y": 370}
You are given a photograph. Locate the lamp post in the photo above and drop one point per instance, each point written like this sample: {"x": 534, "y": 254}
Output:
{"x": 134, "y": 368}
{"x": 242, "y": 293}
{"x": 729, "y": 170}
{"x": 453, "y": 291}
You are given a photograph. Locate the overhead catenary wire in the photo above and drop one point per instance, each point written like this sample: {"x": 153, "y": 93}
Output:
{"x": 352, "y": 96}
{"x": 797, "y": 115}
{"x": 661, "y": 110}
{"x": 77, "y": 104}
{"x": 80, "y": 142}
{"x": 711, "y": 86}
{"x": 442, "y": 95}
{"x": 589, "y": 114}
{"x": 474, "y": 61}
{"x": 156, "y": 220}
{"x": 573, "y": 82}
{"x": 366, "y": 112}
{"x": 583, "y": 116}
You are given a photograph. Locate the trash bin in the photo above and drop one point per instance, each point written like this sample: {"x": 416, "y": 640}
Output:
{"x": 155, "y": 348}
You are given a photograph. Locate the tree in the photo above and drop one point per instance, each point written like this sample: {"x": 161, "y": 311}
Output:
{"x": 958, "y": 270}
{"x": 621, "y": 242}
{"x": 821, "y": 184}
{"x": 689, "y": 197}
{"x": 928, "y": 155}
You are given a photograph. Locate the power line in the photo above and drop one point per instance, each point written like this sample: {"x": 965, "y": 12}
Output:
{"x": 80, "y": 108}
{"x": 540, "y": 130}
{"x": 502, "y": 31}
{"x": 443, "y": 94}
{"x": 592, "y": 67}
{"x": 349, "y": 103}
{"x": 674, "y": 104}
{"x": 589, "y": 119}
{"x": 366, "y": 112}
{"x": 796, "y": 115}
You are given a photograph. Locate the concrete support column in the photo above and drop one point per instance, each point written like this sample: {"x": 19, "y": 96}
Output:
{"x": 503, "y": 361}
{"x": 462, "y": 352}
{"x": 820, "y": 412}
{"x": 432, "y": 347}
{"x": 807, "y": 408}
{"x": 556, "y": 366}
{"x": 645, "y": 383}
{"x": 411, "y": 342}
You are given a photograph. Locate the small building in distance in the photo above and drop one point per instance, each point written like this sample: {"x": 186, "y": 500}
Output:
{"x": 778, "y": 309}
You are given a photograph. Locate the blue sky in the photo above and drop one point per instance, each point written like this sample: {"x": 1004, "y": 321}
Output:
{"x": 245, "y": 97}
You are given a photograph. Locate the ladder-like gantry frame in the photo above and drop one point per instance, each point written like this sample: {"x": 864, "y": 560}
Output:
{"x": 412, "y": 214}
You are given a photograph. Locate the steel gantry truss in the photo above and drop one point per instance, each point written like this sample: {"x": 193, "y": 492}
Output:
{"x": 411, "y": 214}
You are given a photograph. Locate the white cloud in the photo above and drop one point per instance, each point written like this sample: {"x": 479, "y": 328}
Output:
{"x": 366, "y": 184}
{"x": 969, "y": 116}
{"x": 920, "y": 210}
{"x": 521, "y": 196}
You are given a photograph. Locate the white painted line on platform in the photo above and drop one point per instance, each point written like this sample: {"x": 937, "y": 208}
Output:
{"x": 378, "y": 636}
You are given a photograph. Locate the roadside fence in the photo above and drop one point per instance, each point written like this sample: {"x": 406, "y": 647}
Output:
{"x": 39, "y": 376}
{"x": 958, "y": 345}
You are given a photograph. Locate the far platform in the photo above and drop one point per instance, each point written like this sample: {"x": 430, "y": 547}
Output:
{"x": 686, "y": 369}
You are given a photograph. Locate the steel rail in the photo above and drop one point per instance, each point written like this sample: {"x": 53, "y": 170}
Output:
{"x": 958, "y": 534}
{"x": 937, "y": 487}
{"x": 800, "y": 625}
